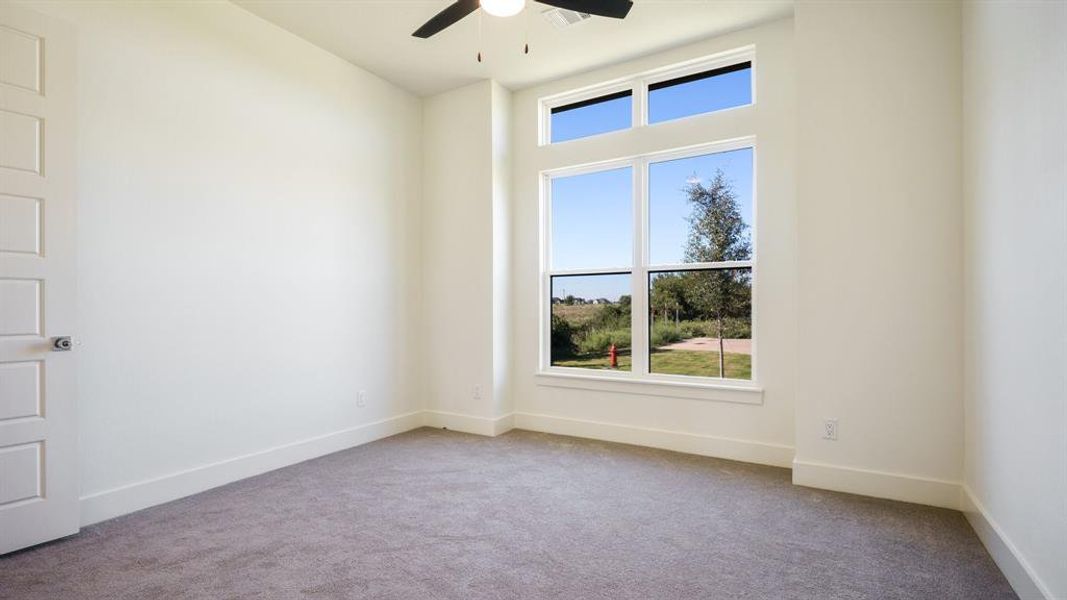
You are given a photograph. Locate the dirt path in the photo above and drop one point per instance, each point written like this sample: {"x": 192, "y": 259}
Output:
{"x": 707, "y": 344}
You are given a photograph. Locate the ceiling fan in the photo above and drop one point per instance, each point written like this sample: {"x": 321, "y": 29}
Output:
{"x": 616, "y": 9}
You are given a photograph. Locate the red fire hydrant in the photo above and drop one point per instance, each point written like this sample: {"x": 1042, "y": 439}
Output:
{"x": 613, "y": 356}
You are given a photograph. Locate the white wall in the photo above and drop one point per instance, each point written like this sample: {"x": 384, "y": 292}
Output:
{"x": 464, "y": 258}
{"x": 1015, "y": 157}
{"x": 880, "y": 248}
{"x": 248, "y": 224}
{"x": 755, "y": 432}
{"x": 502, "y": 400}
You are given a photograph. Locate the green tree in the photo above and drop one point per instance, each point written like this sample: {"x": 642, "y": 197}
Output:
{"x": 668, "y": 296}
{"x": 717, "y": 233}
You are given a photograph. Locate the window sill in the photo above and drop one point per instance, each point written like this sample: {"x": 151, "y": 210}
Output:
{"x": 738, "y": 393}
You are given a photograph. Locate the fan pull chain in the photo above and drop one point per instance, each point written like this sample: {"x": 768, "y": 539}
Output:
{"x": 479, "y": 36}
{"x": 526, "y": 29}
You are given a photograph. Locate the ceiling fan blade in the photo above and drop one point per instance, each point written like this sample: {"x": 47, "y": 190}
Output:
{"x": 446, "y": 17}
{"x": 616, "y": 9}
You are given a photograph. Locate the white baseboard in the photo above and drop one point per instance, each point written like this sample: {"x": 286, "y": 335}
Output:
{"x": 879, "y": 484}
{"x": 678, "y": 441}
{"x": 503, "y": 424}
{"x": 469, "y": 423}
{"x": 143, "y": 494}
{"x": 1020, "y": 574}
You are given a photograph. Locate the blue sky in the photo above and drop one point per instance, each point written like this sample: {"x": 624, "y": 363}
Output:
{"x": 592, "y": 220}
{"x": 591, "y": 287}
{"x": 593, "y": 119}
{"x": 705, "y": 95}
{"x": 592, "y": 213}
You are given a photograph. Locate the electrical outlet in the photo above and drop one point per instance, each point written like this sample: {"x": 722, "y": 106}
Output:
{"x": 829, "y": 429}
{"x": 477, "y": 392}
{"x": 361, "y": 398}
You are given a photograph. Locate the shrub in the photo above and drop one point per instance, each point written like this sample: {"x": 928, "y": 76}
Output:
{"x": 735, "y": 328}
{"x": 666, "y": 333}
{"x": 692, "y": 329}
{"x": 598, "y": 341}
{"x": 611, "y": 316}
{"x": 732, "y": 328}
{"x": 563, "y": 343}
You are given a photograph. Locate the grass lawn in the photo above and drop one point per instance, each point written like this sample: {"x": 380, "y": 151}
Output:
{"x": 674, "y": 362}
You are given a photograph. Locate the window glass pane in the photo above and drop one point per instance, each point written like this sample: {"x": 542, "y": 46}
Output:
{"x": 700, "y": 323}
{"x": 700, "y": 93}
{"x": 592, "y": 220}
{"x": 591, "y": 117}
{"x": 700, "y": 208}
{"x": 590, "y": 315}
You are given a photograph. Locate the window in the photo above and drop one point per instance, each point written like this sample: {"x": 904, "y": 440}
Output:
{"x": 648, "y": 263}
{"x": 591, "y": 258}
{"x": 700, "y": 271}
{"x": 705, "y": 86}
{"x": 681, "y": 305}
{"x": 591, "y": 117}
{"x": 590, "y": 316}
{"x": 700, "y": 323}
{"x": 592, "y": 220}
{"x": 701, "y": 92}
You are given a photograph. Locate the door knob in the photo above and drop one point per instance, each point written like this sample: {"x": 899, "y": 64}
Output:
{"x": 62, "y": 344}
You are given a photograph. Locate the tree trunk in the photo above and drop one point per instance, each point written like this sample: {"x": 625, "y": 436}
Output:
{"x": 722, "y": 354}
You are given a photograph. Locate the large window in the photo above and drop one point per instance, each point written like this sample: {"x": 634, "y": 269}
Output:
{"x": 653, "y": 279}
{"x": 648, "y": 262}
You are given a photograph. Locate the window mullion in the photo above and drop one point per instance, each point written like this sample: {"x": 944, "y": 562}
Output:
{"x": 640, "y": 103}
{"x": 546, "y": 267}
{"x": 545, "y": 358}
{"x": 639, "y": 315}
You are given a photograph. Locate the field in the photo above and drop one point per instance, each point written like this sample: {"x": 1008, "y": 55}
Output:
{"x": 578, "y": 314}
{"x": 675, "y": 362}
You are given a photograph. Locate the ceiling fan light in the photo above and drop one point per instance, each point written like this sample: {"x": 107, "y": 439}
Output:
{"x": 503, "y": 8}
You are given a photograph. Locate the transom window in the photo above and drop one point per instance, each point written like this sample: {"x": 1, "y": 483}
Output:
{"x": 649, "y": 265}
{"x": 592, "y": 116}
{"x": 701, "y": 92}
{"x": 704, "y": 86}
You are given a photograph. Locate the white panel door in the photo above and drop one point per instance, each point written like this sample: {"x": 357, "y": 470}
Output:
{"x": 38, "y": 436}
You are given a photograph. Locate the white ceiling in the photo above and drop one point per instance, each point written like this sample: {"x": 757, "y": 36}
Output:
{"x": 376, "y": 35}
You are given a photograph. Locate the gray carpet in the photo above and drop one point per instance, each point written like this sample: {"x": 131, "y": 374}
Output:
{"x": 438, "y": 514}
